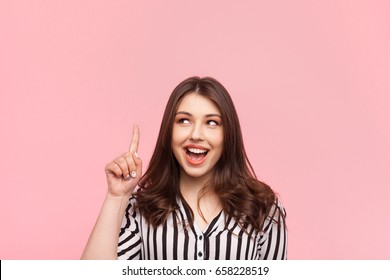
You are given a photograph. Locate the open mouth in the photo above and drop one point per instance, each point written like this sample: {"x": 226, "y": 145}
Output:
{"x": 195, "y": 155}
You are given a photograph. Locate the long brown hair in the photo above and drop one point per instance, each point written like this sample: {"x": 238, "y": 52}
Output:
{"x": 242, "y": 195}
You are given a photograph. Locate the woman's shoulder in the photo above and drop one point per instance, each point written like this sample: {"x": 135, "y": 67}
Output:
{"x": 277, "y": 212}
{"x": 131, "y": 206}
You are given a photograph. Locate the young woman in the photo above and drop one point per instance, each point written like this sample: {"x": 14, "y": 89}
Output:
{"x": 199, "y": 198}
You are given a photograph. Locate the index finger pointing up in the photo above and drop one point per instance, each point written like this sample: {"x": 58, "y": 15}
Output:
{"x": 134, "y": 139}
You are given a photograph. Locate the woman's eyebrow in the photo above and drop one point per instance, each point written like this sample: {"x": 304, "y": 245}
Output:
{"x": 208, "y": 115}
{"x": 214, "y": 115}
{"x": 184, "y": 113}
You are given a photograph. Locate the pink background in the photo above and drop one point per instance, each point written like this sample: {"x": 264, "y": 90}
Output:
{"x": 310, "y": 80}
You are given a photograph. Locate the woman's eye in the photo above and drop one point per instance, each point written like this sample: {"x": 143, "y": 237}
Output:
{"x": 212, "y": 122}
{"x": 184, "y": 121}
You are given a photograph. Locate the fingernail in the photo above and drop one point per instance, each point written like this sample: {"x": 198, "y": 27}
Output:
{"x": 136, "y": 154}
{"x": 127, "y": 178}
{"x": 133, "y": 174}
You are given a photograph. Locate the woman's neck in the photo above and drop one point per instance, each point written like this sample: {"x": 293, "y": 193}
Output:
{"x": 193, "y": 185}
{"x": 205, "y": 204}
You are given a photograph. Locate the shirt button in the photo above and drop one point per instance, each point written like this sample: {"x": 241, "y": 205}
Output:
{"x": 200, "y": 237}
{"x": 200, "y": 254}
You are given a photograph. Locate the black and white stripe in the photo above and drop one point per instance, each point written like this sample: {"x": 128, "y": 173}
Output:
{"x": 220, "y": 240}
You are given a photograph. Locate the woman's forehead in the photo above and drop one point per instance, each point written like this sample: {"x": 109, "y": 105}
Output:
{"x": 197, "y": 103}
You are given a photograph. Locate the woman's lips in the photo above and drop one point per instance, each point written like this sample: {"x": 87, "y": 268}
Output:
{"x": 195, "y": 158}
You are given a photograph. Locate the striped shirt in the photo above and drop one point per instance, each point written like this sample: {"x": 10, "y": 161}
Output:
{"x": 223, "y": 239}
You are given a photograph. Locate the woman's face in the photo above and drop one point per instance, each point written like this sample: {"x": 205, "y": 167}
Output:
{"x": 197, "y": 137}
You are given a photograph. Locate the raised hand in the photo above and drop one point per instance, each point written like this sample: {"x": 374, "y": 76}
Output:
{"x": 124, "y": 172}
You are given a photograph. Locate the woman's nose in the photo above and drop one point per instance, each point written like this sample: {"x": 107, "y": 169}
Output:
{"x": 197, "y": 132}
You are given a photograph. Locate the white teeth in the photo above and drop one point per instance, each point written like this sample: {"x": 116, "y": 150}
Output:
{"x": 197, "y": 151}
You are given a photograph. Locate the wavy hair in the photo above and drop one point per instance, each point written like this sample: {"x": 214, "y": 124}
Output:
{"x": 242, "y": 195}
